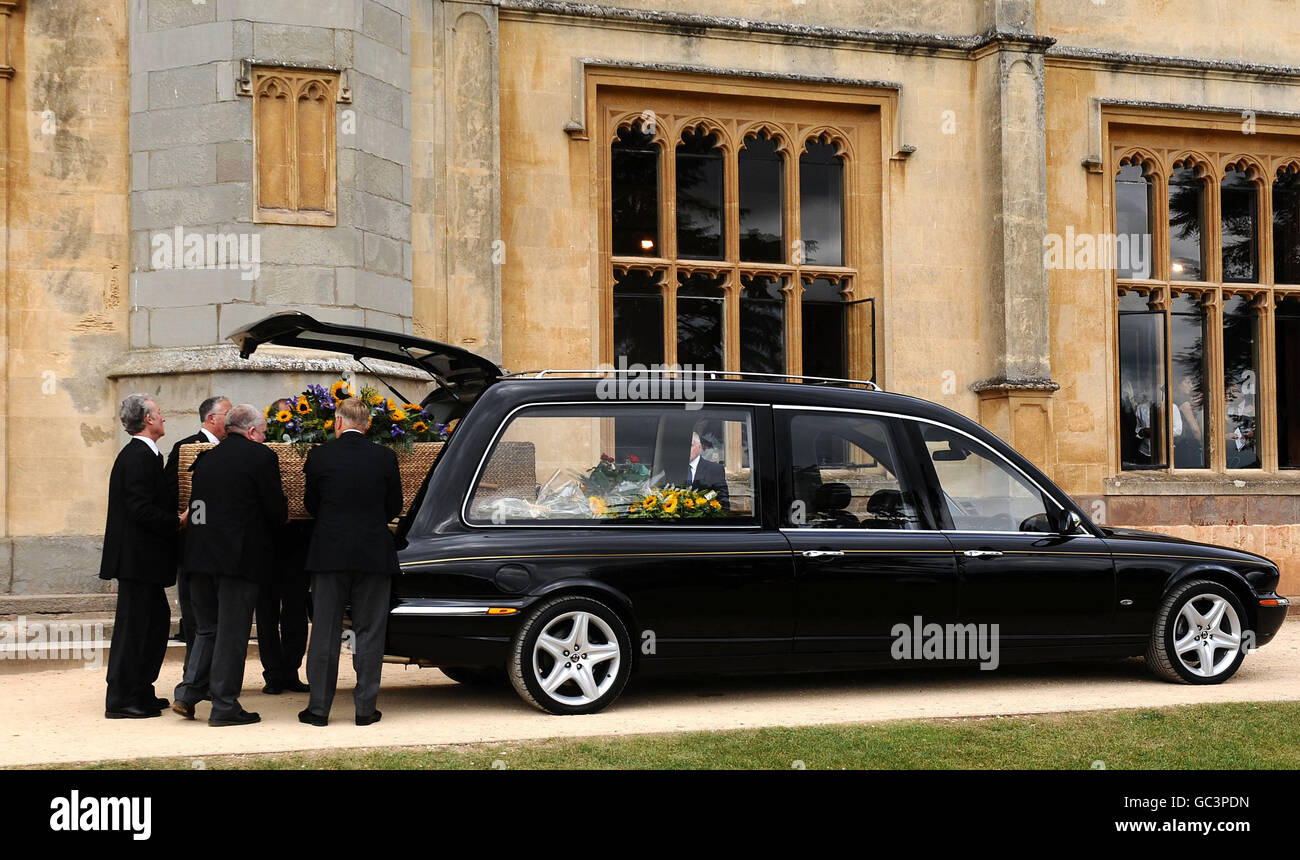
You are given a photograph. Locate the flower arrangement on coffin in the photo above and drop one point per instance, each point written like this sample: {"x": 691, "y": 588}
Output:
{"x": 311, "y": 420}
{"x": 608, "y": 477}
{"x": 662, "y": 503}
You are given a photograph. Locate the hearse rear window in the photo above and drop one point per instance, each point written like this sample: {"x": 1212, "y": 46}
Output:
{"x": 618, "y": 464}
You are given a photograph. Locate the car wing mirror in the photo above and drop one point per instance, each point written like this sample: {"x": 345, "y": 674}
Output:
{"x": 1065, "y": 521}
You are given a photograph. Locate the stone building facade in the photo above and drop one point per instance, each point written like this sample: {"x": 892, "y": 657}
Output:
{"x": 925, "y": 193}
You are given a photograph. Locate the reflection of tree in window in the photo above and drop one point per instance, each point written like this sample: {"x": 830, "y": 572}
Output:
{"x": 821, "y": 203}
{"x": 825, "y": 329}
{"x": 762, "y": 233}
{"x": 700, "y": 301}
{"x": 634, "y": 187}
{"x": 762, "y": 324}
{"x": 1133, "y": 219}
{"x": 1186, "y": 220}
{"x": 1286, "y": 227}
{"x": 1239, "y": 202}
{"x": 1240, "y": 381}
{"x": 699, "y": 197}
{"x": 638, "y": 317}
{"x": 1190, "y": 382}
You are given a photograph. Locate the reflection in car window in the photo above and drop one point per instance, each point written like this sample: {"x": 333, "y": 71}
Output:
{"x": 845, "y": 475}
{"x": 980, "y": 491}
{"x": 618, "y": 463}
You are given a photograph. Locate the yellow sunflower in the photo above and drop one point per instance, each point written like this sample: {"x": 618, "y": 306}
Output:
{"x": 419, "y": 427}
{"x": 715, "y": 504}
{"x": 597, "y": 505}
{"x": 342, "y": 390}
{"x": 373, "y": 399}
{"x": 329, "y": 425}
{"x": 303, "y": 406}
{"x": 284, "y": 416}
{"x": 411, "y": 407}
{"x": 397, "y": 415}
{"x": 670, "y": 506}
{"x": 649, "y": 501}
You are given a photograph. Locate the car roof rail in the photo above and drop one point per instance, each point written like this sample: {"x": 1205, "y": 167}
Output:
{"x": 743, "y": 376}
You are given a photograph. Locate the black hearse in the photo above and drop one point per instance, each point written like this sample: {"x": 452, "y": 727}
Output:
{"x": 582, "y": 526}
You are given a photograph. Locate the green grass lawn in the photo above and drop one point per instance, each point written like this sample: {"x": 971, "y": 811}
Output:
{"x": 1235, "y": 735}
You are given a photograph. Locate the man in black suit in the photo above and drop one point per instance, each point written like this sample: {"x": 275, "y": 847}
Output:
{"x": 139, "y": 552}
{"x": 236, "y": 503}
{"x": 212, "y": 414}
{"x": 705, "y": 475}
{"x": 353, "y": 490}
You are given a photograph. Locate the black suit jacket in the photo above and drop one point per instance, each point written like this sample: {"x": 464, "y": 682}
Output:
{"x": 140, "y": 532}
{"x": 233, "y": 532}
{"x": 711, "y": 476}
{"x": 353, "y": 490}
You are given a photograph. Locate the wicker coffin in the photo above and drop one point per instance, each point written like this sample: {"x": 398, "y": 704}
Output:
{"x": 413, "y": 464}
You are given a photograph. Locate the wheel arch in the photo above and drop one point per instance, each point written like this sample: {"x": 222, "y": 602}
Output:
{"x": 1225, "y": 576}
{"x": 616, "y": 600}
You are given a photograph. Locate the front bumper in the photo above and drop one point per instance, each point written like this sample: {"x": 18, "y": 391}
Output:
{"x": 1271, "y": 612}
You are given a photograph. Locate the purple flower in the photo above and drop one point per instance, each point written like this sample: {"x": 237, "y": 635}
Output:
{"x": 396, "y": 431}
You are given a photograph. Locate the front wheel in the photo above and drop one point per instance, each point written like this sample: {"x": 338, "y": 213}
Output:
{"x": 571, "y": 656}
{"x": 1199, "y": 635}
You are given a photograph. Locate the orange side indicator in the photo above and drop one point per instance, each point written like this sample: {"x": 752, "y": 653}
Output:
{"x": 502, "y": 610}
{"x": 1274, "y": 601}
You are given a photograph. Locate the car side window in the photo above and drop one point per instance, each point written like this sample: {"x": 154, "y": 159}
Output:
{"x": 845, "y": 474}
{"x": 979, "y": 490}
{"x": 619, "y": 464}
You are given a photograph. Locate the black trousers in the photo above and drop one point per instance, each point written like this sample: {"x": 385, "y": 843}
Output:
{"x": 141, "y": 624}
{"x": 187, "y": 612}
{"x": 282, "y": 627}
{"x": 223, "y": 620}
{"x": 331, "y": 593}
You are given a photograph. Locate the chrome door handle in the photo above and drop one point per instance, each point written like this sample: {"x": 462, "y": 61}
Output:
{"x": 982, "y": 553}
{"x": 822, "y": 553}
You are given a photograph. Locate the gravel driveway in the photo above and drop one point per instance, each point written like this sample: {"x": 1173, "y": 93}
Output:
{"x": 56, "y": 715}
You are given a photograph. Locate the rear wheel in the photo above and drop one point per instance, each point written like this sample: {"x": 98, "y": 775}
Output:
{"x": 571, "y": 656}
{"x": 1198, "y": 634}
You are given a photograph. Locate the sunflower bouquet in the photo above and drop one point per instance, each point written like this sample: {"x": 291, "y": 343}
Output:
{"x": 663, "y": 503}
{"x": 310, "y": 420}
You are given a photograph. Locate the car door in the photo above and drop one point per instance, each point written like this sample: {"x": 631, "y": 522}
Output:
{"x": 867, "y": 556}
{"x": 1045, "y": 588}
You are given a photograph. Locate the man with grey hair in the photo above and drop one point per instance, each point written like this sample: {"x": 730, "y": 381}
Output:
{"x": 212, "y": 429}
{"x": 236, "y": 504}
{"x": 140, "y": 553}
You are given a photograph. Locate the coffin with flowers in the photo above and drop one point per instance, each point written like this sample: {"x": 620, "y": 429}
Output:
{"x": 295, "y": 425}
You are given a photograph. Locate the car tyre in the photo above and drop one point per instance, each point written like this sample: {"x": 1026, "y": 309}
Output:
{"x": 572, "y": 655}
{"x": 1198, "y": 634}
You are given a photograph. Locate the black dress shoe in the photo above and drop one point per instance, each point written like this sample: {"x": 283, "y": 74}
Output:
{"x": 311, "y": 719}
{"x": 243, "y": 718}
{"x": 370, "y": 718}
{"x": 185, "y": 709}
{"x": 161, "y": 703}
{"x": 131, "y": 712}
{"x": 272, "y": 690}
{"x": 296, "y": 686}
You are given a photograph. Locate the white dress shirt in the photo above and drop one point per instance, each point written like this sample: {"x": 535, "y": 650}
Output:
{"x": 151, "y": 443}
